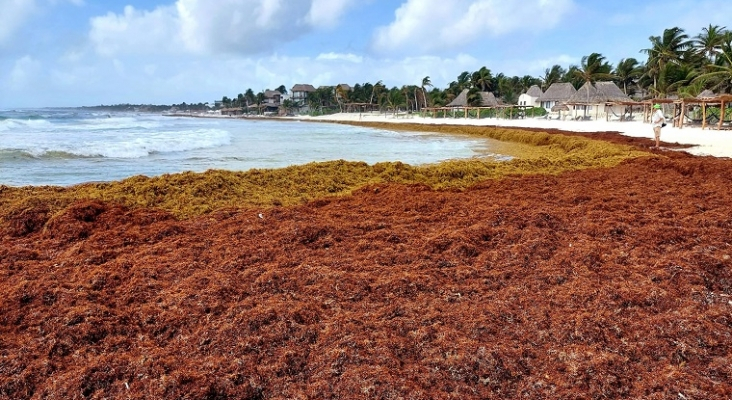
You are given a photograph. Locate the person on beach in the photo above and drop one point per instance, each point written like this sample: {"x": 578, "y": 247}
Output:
{"x": 657, "y": 121}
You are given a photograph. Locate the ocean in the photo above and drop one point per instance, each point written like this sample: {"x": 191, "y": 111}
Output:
{"x": 63, "y": 147}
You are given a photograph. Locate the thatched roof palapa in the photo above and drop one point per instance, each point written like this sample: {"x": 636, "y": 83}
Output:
{"x": 488, "y": 99}
{"x": 534, "y": 91}
{"x": 559, "y": 91}
{"x": 460, "y": 101}
{"x": 303, "y": 88}
{"x": 610, "y": 92}
{"x": 586, "y": 94}
{"x": 600, "y": 92}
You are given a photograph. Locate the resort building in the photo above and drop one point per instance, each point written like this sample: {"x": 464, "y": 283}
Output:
{"x": 557, "y": 94}
{"x": 531, "y": 97}
{"x": 603, "y": 100}
{"x": 299, "y": 93}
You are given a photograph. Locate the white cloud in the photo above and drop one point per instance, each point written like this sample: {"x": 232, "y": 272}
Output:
{"x": 201, "y": 27}
{"x": 135, "y": 31}
{"x": 325, "y": 13}
{"x": 434, "y": 25}
{"x": 24, "y": 73}
{"x": 340, "y": 57}
{"x": 13, "y": 15}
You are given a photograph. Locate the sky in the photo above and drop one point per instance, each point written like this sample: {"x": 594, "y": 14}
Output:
{"x": 69, "y": 53}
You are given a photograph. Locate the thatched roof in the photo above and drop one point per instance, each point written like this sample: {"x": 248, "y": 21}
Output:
{"x": 600, "y": 92}
{"x": 586, "y": 94}
{"x": 559, "y": 91}
{"x": 609, "y": 91}
{"x": 488, "y": 99}
{"x": 560, "y": 107}
{"x": 302, "y": 88}
{"x": 534, "y": 91}
{"x": 706, "y": 94}
{"x": 460, "y": 101}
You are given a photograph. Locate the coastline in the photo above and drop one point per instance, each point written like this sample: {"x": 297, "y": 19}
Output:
{"x": 702, "y": 142}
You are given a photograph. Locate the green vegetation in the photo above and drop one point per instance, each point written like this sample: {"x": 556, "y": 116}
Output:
{"x": 190, "y": 194}
{"x": 676, "y": 64}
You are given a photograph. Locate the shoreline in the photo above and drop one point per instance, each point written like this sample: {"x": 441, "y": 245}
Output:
{"x": 703, "y": 142}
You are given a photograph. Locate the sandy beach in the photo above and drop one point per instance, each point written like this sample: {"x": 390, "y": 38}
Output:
{"x": 579, "y": 281}
{"x": 705, "y": 142}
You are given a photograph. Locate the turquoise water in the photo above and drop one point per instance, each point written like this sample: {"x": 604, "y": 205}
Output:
{"x": 69, "y": 146}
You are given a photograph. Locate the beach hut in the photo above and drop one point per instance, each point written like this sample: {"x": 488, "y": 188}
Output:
{"x": 558, "y": 108}
{"x": 559, "y": 92}
{"x": 460, "y": 101}
{"x": 599, "y": 101}
{"x": 531, "y": 96}
{"x": 487, "y": 100}
{"x": 583, "y": 100}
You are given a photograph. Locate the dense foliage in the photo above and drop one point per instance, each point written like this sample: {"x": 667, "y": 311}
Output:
{"x": 676, "y": 64}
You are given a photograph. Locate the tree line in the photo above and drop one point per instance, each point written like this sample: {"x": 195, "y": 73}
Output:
{"x": 675, "y": 64}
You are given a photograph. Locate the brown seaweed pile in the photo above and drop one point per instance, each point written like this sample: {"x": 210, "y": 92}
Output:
{"x": 599, "y": 283}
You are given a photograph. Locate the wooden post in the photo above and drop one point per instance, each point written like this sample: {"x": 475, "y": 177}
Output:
{"x": 721, "y": 115}
{"x": 682, "y": 115}
{"x": 704, "y": 115}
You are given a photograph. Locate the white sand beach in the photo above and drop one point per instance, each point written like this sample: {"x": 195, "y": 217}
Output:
{"x": 706, "y": 142}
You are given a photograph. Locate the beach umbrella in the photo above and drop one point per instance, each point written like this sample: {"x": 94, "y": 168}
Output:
{"x": 559, "y": 108}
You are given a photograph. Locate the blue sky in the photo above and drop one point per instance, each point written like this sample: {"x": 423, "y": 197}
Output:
{"x": 86, "y": 52}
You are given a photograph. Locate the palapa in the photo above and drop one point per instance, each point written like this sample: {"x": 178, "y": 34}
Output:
{"x": 534, "y": 91}
{"x": 559, "y": 91}
{"x": 587, "y": 94}
{"x": 303, "y": 88}
{"x": 488, "y": 99}
{"x": 610, "y": 92}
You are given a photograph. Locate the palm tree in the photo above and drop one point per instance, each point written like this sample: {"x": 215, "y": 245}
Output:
{"x": 225, "y": 102}
{"x": 260, "y": 99}
{"x": 719, "y": 75}
{"x": 394, "y": 99}
{"x": 426, "y": 82}
{"x": 551, "y": 76}
{"x": 482, "y": 79}
{"x": 593, "y": 68}
{"x": 249, "y": 94}
{"x": 463, "y": 81}
{"x": 709, "y": 43}
{"x": 627, "y": 73}
{"x": 438, "y": 97}
{"x": 288, "y": 105}
{"x": 474, "y": 98}
{"x": 528, "y": 81}
{"x": 665, "y": 49}
{"x": 341, "y": 96}
{"x": 376, "y": 90}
